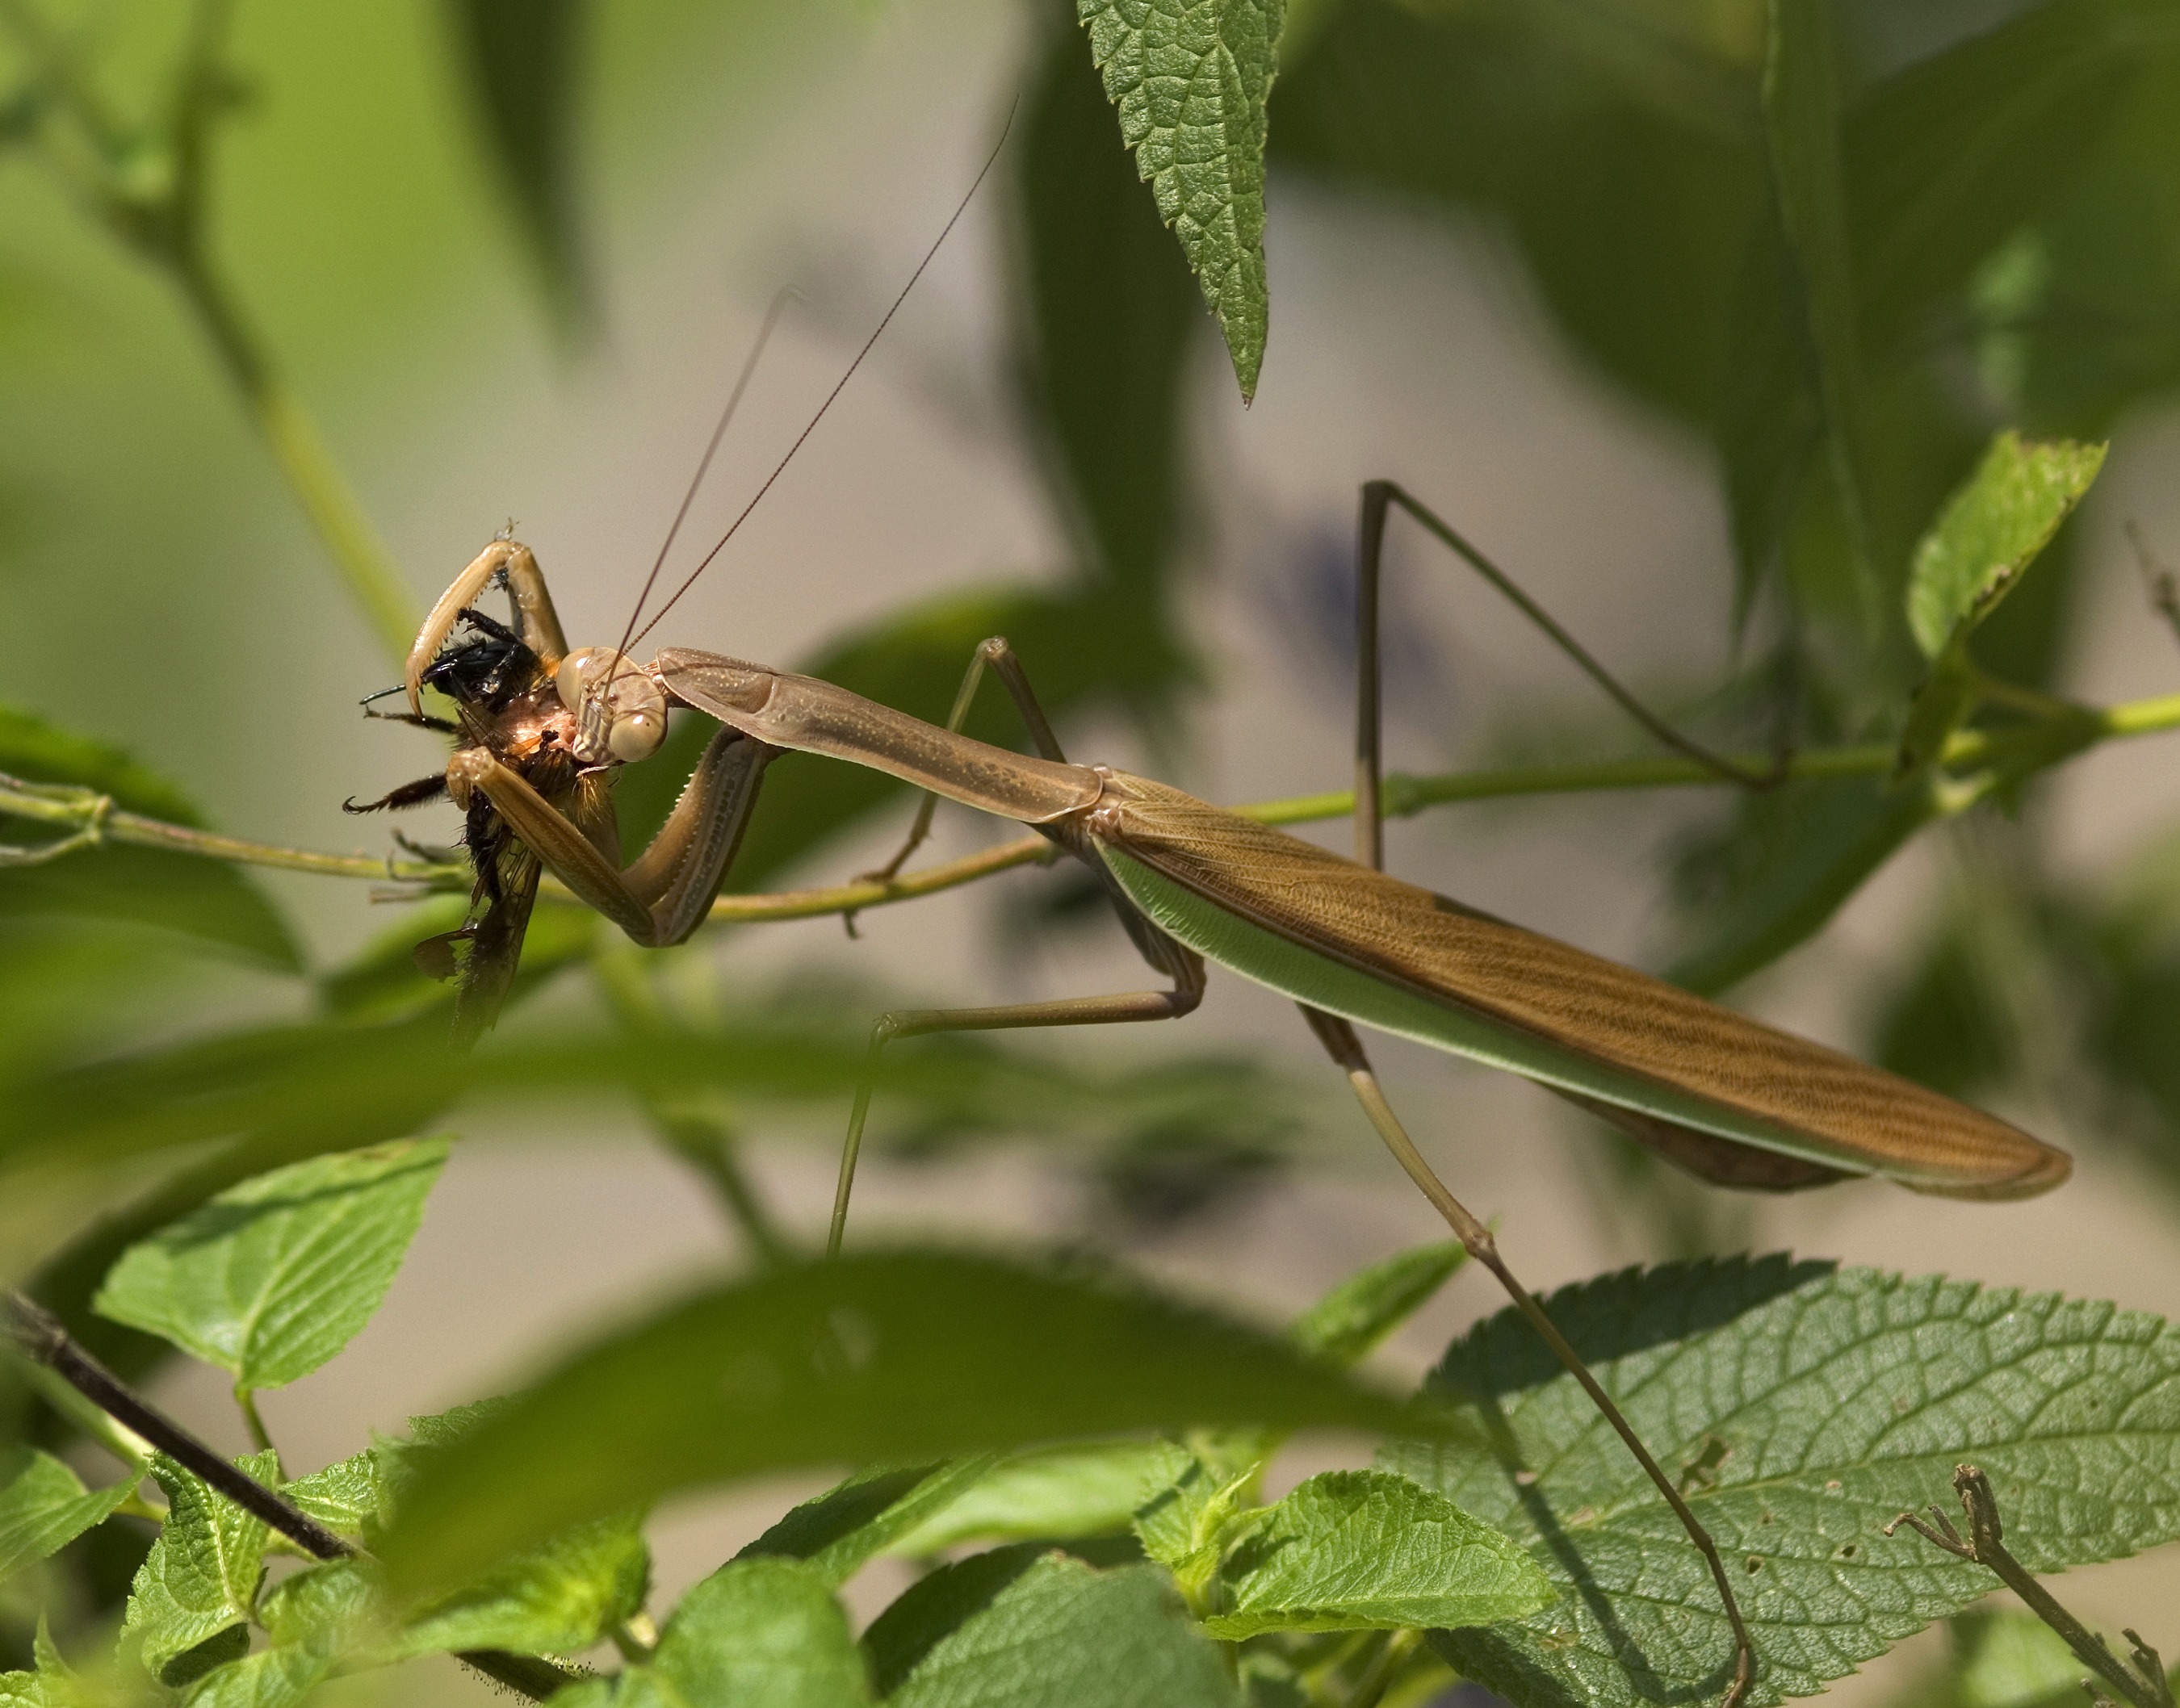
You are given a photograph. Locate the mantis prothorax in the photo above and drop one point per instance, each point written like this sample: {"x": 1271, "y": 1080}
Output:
{"x": 1720, "y": 1094}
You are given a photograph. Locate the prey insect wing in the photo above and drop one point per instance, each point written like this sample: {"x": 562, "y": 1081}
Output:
{"x": 1696, "y": 1079}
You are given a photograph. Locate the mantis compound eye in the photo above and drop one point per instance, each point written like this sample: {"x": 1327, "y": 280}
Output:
{"x": 620, "y": 711}
{"x": 636, "y": 734}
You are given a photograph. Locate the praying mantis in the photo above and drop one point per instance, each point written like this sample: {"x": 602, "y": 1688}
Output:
{"x": 543, "y": 729}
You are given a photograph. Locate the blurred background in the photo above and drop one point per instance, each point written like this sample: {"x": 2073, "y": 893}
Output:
{"x": 509, "y": 260}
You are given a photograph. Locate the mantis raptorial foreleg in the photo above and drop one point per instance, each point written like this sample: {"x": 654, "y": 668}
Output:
{"x": 996, "y": 655}
{"x": 535, "y": 620}
{"x": 663, "y": 896}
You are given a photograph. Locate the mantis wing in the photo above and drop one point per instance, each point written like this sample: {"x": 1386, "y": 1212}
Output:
{"x": 1358, "y": 943}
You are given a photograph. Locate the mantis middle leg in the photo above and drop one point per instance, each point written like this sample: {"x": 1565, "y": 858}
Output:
{"x": 1181, "y": 965}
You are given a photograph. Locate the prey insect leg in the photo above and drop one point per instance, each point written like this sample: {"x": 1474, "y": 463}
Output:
{"x": 996, "y": 655}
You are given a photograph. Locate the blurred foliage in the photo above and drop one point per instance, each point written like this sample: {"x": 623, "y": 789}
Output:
{"x": 1901, "y": 270}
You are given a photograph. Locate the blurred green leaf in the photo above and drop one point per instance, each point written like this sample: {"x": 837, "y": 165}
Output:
{"x": 865, "y": 1515}
{"x": 1991, "y": 531}
{"x": 200, "y": 1580}
{"x": 1056, "y": 1494}
{"x": 1189, "y": 78}
{"x": 1983, "y": 542}
{"x": 204, "y": 899}
{"x": 1370, "y": 1550}
{"x": 52, "y": 1685}
{"x": 1799, "y": 852}
{"x": 522, "y": 62}
{"x": 1348, "y": 1322}
{"x": 756, "y": 1631}
{"x": 272, "y": 1277}
{"x": 558, "y": 1598}
{"x": 1016, "y": 1628}
{"x": 2004, "y": 1658}
{"x": 867, "y": 1358}
{"x": 1106, "y": 324}
{"x": 44, "y": 1506}
{"x": 1946, "y": 159}
{"x": 1801, "y": 1407}
{"x": 1804, "y": 100}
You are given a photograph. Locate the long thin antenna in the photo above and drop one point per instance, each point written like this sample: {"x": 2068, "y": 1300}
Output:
{"x": 928, "y": 257}
{"x": 779, "y": 301}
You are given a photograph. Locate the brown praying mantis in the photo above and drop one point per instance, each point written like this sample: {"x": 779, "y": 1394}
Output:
{"x": 541, "y": 730}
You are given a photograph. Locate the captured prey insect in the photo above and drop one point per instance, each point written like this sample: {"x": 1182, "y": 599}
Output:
{"x": 543, "y": 731}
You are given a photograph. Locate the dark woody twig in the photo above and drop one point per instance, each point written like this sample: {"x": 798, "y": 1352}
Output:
{"x": 43, "y": 1339}
{"x": 2143, "y": 1687}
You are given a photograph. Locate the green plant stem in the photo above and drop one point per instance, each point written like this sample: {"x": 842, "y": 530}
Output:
{"x": 78, "y": 810}
{"x": 300, "y": 454}
{"x": 260, "y": 1437}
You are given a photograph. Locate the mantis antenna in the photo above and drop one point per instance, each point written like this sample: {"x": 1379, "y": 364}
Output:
{"x": 839, "y": 386}
{"x": 779, "y": 301}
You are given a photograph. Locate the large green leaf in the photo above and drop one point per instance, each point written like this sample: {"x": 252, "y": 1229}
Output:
{"x": 204, "y": 899}
{"x": 44, "y": 1506}
{"x": 521, "y": 60}
{"x": 1108, "y": 315}
{"x": 1348, "y": 1322}
{"x": 877, "y": 1358}
{"x": 272, "y": 1277}
{"x": 557, "y": 1598}
{"x": 1189, "y": 78}
{"x": 1354, "y": 1551}
{"x": 199, "y": 1581}
{"x": 764, "y": 1631}
{"x": 1802, "y": 1408}
{"x": 1019, "y": 1628}
{"x": 866, "y": 1515}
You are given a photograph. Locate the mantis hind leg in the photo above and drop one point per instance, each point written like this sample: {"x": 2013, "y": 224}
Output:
{"x": 1346, "y": 1049}
{"x": 1378, "y": 499}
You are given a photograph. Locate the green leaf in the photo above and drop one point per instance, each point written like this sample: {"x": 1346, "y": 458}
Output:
{"x": 1348, "y": 1322}
{"x": 1354, "y": 1551}
{"x": 1191, "y": 1510}
{"x": 201, "y": 1578}
{"x": 1803, "y": 103}
{"x": 1990, "y": 531}
{"x": 758, "y": 1631}
{"x": 43, "y": 1506}
{"x": 521, "y": 60}
{"x": 1020, "y": 1628}
{"x": 51, "y": 1683}
{"x": 868, "y": 1358}
{"x": 1109, "y": 313}
{"x": 383, "y": 982}
{"x": 2006, "y": 1659}
{"x": 1055, "y": 1494}
{"x": 325, "y": 1607}
{"x": 274, "y": 1678}
{"x": 557, "y": 1598}
{"x": 1805, "y": 848}
{"x": 206, "y": 899}
{"x": 348, "y": 1495}
{"x": 1189, "y": 78}
{"x": 272, "y": 1277}
{"x": 865, "y": 1515}
{"x": 1802, "y": 1408}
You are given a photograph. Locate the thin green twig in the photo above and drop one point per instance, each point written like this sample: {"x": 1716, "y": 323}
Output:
{"x": 78, "y": 812}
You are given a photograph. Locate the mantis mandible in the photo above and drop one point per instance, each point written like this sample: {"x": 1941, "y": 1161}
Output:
{"x": 543, "y": 731}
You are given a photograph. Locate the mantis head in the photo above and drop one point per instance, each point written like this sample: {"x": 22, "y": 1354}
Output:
{"x": 620, "y": 711}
